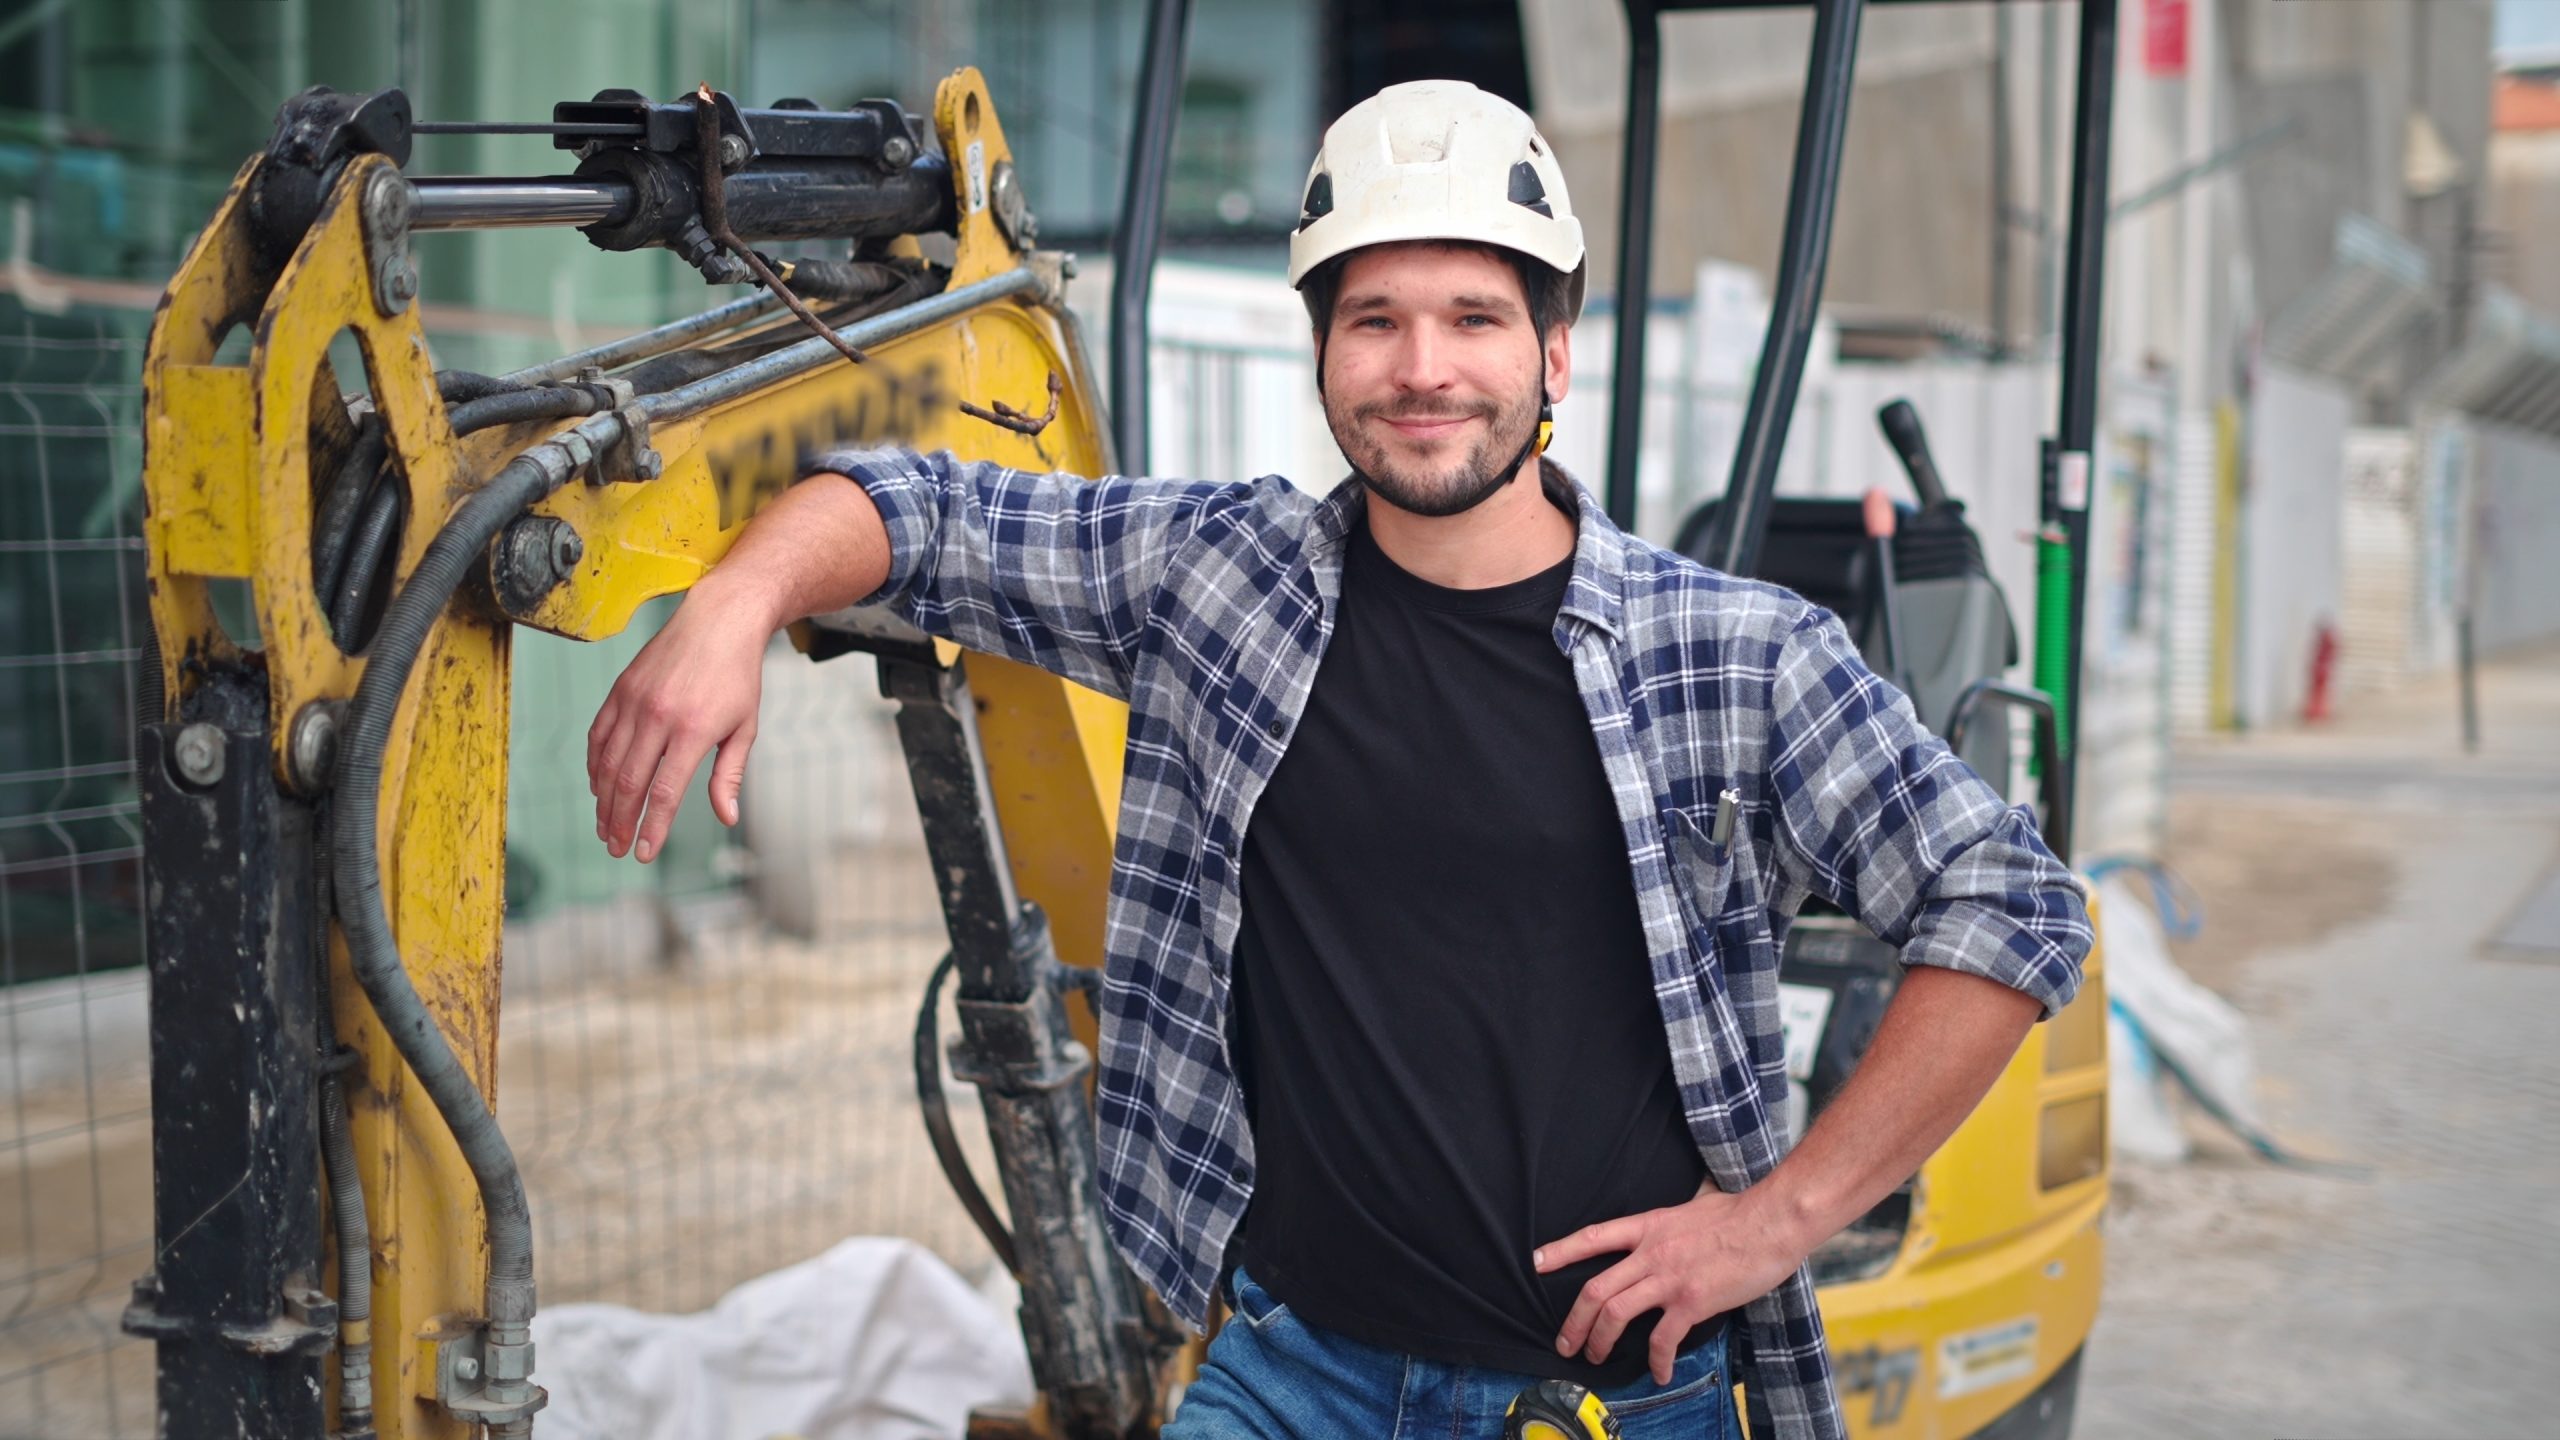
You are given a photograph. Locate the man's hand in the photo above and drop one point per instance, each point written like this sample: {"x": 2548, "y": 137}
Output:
{"x": 695, "y": 686}
{"x": 820, "y": 546}
{"x": 1942, "y": 1042}
{"x": 1715, "y": 1253}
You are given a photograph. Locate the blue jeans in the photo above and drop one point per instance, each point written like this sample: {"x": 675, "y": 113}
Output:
{"x": 1271, "y": 1375}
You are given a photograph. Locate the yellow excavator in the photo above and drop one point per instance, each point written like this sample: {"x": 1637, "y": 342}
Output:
{"x": 343, "y": 1245}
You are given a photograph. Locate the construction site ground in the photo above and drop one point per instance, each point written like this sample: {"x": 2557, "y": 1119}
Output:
{"x": 2386, "y": 911}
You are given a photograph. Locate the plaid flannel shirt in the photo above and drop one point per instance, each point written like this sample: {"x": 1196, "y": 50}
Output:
{"x": 1207, "y": 607}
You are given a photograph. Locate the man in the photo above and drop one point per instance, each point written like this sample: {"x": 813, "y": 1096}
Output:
{"x": 1458, "y": 833}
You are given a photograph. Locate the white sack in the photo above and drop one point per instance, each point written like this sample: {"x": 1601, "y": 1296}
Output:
{"x": 2142, "y": 1121}
{"x": 876, "y": 1339}
{"x": 2189, "y": 1026}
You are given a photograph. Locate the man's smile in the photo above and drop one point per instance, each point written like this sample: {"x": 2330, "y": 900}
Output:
{"x": 1428, "y": 427}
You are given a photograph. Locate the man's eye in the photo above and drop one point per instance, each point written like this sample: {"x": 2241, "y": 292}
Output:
{"x": 1370, "y": 322}
{"x": 1476, "y": 321}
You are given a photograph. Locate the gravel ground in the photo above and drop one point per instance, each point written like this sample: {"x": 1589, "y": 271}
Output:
{"x": 2357, "y": 879}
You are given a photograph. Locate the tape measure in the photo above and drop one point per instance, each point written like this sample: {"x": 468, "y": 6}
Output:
{"x": 1558, "y": 1410}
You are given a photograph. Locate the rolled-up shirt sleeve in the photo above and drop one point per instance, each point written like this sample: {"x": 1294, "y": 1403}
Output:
{"x": 1879, "y": 817}
{"x": 1051, "y": 570}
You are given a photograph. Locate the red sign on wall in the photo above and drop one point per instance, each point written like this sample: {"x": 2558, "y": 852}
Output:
{"x": 2164, "y": 37}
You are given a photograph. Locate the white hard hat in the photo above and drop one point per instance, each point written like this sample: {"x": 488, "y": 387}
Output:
{"x": 1438, "y": 160}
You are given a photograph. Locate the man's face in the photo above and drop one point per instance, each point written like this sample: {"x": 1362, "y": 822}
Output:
{"x": 1431, "y": 373}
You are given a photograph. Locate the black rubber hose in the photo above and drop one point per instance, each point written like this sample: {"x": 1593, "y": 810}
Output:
{"x": 458, "y": 549}
{"x": 456, "y": 386}
{"x": 839, "y": 281}
{"x": 334, "y": 523}
{"x": 374, "y": 534}
{"x": 937, "y": 1122}
{"x": 342, "y": 503}
{"x": 354, "y": 531}
{"x": 514, "y": 407}
{"x": 355, "y": 1263}
{"x": 338, "y": 1159}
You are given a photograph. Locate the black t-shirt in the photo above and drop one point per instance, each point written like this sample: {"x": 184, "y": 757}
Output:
{"x": 1445, "y": 1018}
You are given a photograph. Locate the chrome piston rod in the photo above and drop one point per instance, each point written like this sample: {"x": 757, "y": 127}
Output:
{"x": 472, "y": 202}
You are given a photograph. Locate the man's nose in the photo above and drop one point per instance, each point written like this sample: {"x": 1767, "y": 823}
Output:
{"x": 1422, "y": 361}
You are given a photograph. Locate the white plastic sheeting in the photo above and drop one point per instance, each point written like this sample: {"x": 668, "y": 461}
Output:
{"x": 876, "y": 1339}
{"x": 2157, "y": 1014}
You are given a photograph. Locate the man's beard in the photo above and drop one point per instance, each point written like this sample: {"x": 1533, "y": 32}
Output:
{"x": 1459, "y": 485}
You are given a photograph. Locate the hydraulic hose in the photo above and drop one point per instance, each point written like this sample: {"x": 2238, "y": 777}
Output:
{"x": 838, "y": 282}
{"x": 374, "y": 533}
{"x": 333, "y": 525}
{"x": 358, "y": 522}
{"x": 338, "y": 1161}
{"x": 679, "y": 368}
{"x": 457, "y": 386}
{"x": 511, "y": 407}
{"x": 937, "y": 1122}
{"x": 456, "y": 551}
{"x": 355, "y": 1266}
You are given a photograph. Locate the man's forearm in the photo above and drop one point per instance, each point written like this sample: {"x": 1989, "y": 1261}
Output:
{"x": 1943, "y": 1041}
{"x": 820, "y": 546}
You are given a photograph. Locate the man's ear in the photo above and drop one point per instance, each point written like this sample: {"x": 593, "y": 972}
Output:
{"x": 1559, "y": 363}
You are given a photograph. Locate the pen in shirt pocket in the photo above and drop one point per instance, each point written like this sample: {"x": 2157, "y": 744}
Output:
{"x": 1726, "y": 803}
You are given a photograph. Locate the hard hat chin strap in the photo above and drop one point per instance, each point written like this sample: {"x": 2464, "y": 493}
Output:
{"x": 1540, "y": 433}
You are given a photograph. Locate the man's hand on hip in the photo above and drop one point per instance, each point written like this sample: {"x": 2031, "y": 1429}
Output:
{"x": 1691, "y": 1261}
{"x": 693, "y": 688}
{"x": 1942, "y": 1042}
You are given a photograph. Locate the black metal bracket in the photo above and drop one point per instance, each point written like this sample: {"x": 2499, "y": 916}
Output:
{"x": 305, "y": 1323}
{"x": 316, "y": 132}
{"x": 233, "y": 1298}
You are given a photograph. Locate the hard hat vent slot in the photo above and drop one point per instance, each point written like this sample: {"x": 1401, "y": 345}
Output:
{"x": 1319, "y": 202}
{"x": 1527, "y": 190}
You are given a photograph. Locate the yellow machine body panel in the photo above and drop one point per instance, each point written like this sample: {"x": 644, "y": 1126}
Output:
{"x": 1995, "y": 1286}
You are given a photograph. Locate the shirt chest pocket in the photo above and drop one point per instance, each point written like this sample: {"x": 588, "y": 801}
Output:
{"x": 1719, "y": 890}
{"x": 1702, "y": 875}
{"x": 1723, "y": 903}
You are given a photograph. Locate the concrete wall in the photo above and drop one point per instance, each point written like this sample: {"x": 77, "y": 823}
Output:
{"x": 2291, "y": 558}
{"x": 1916, "y": 221}
{"x": 1911, "y": 230}
{"x": 2515, "y": 509}
{"x": 2524, "y": 213}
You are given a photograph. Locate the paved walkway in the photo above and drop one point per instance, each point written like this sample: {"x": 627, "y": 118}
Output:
{"x": 2373, "y": 869}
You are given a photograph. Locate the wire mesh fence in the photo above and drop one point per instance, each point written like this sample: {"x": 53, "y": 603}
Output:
{"x": 704, "y": 1063}
{"x": 75, "y": 1208}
